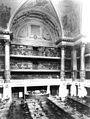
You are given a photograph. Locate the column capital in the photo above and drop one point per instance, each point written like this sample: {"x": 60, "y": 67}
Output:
{"x": 63, "y": 47}
{"x": 82, "y": 44}
{"x": 83, "y": 39}
{"x": 7, "y": 41}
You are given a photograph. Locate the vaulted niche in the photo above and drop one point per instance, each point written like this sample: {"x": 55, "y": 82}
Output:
{"x": 34, "y": 30}
{"x": 36, "y": 20}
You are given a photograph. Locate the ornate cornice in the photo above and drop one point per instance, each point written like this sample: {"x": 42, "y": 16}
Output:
{"x": 5, "y": 32}
{"x": 68, "y": 39}
{"x": 5, "y": 36}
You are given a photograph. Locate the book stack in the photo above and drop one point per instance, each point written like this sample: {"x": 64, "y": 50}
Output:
{"x": 68, "y": 65}
{"x": 1, "y": 66}
{"x": 21, "y": 50}
{"x": 13, "y": 49}
{"x": 55, "y": 76}
{"x": 35, "y": 76}
{"x": 48, "y": 65}
{"x": 67, "y": 53}
{"x": 43, "y": 65}
{"x": 13, "y": 65}
{"x": 1, "y": 48}
{"x": 87, "y": 49}
{"x": 21, "y": 64}
{"x": 35, "y": 51}
{"x": 54, "y": 65}
{"x": 1, "y": 63}
{"x": 67, "y": 74}
{"x": 87, "y": 63}
{"x": 23, "y": 76}
{"x": 50, "y": 52}
{"x": 41, "y": 51}
{"x": 35, "y": 65}
{"x": 28, "y": 50}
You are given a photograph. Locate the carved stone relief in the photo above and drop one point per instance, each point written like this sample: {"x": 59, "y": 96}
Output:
{"x": 46, "y": 34}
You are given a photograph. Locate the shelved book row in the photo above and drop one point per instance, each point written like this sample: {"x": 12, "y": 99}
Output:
{"x": 1, "y": 63}
{"x": 68, "y": 52}
{"x": 1, "y": 66}
{"x": 1, "y": 48}
{"x": 87, "y": 67}
{"x": 36, "y": 51}
{"x": 35, "y": 76}
{"x": 87, "y": 48}
{"x": 17, "y": 64}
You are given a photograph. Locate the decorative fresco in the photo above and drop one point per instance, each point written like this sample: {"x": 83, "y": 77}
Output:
{"x": 70, "y": 24}
{"x": 65, "y": 12}
{"x": 4, "y": 15}
{"x": 70, "y": 18}
{"x": 41, "y": 2}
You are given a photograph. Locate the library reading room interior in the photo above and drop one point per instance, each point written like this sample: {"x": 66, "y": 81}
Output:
{"x": 44, "y": 59}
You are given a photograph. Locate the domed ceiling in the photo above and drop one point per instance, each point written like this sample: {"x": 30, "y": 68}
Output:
{"x": 63, "y": 16}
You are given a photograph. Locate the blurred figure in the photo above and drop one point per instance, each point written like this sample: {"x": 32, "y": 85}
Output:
{"x": 81, "y": 90}
{"x": 73, "y": 89}
{"x": 63, "y": 91}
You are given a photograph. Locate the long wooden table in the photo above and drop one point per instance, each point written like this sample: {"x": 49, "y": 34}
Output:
{"x": 80, "y": 105}
{"x": 67, "y": 111}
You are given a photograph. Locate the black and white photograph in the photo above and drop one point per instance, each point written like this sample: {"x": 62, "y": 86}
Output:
{"x": 44, "y": 59}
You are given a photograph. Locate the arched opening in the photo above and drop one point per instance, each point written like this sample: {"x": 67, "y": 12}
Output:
{"x": 39, "y": 14}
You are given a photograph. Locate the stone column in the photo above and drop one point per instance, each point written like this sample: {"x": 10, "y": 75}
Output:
{"x": 7, "y": 85}
{"x": 82, "y": 69}
{"x": 74, "y": 63}
{"x": 7, "y": 59}
{"x": 62, "y": 74}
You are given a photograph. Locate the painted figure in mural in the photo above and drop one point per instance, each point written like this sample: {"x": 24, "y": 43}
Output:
{"x": 4, "y": 16}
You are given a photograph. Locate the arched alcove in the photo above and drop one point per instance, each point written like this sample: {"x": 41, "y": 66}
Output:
{"x": 39, "y": 17}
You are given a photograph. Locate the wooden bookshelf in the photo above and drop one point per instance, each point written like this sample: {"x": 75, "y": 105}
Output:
{"x": 1, "y": 70}
{"x": 34, "y": 57}
{"x": 87, "y": 55}
{"x": 32, "y": 70}
{"x": 2, "y": 55}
